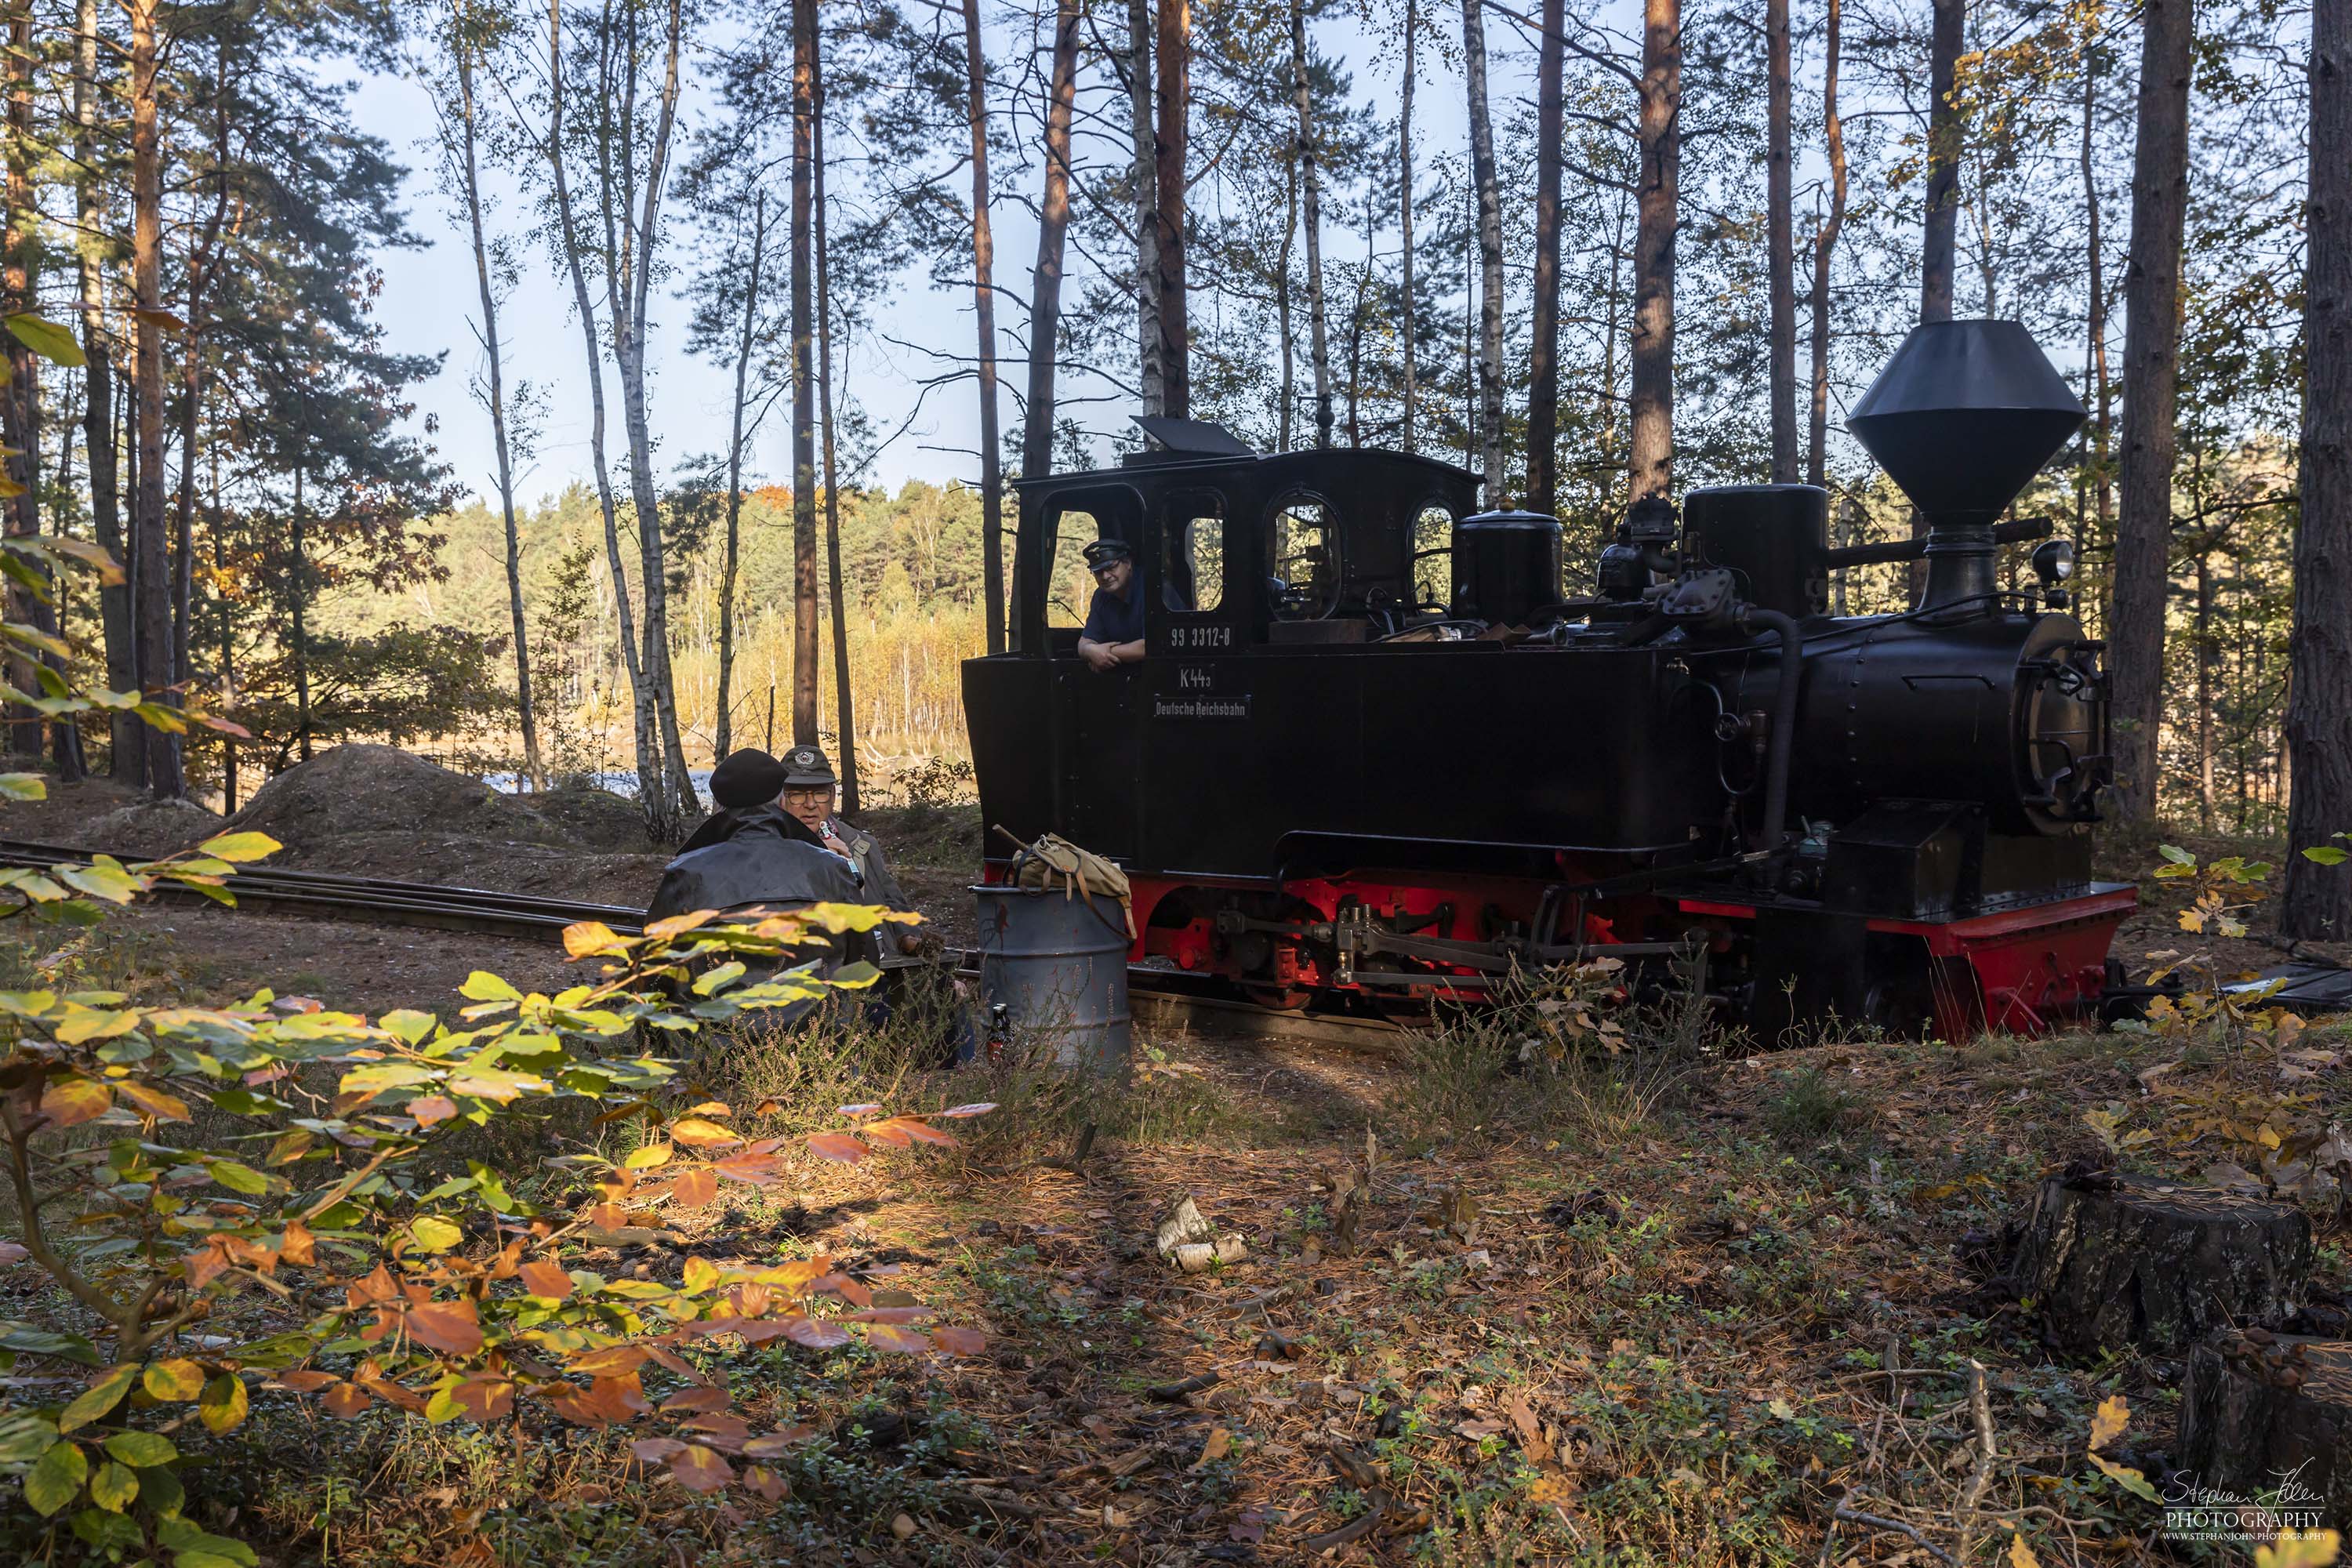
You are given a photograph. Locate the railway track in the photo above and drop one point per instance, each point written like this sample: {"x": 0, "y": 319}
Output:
{"x": 1163, "y": 998}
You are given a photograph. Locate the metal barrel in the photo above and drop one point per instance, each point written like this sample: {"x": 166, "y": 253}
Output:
{"x": 1055, "y": 963}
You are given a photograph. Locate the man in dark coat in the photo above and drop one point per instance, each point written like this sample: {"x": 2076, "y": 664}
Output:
{"x": 744, "y": 782}
{"x": 810, "y": 791}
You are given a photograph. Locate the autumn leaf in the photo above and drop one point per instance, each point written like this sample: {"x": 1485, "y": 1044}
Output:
{"x": 451, "y": 1327}
{"x": 838, "y": 1146}
{"x": 2300, "y": 1549}
{"x": 344, "y": 1401}
{"x": 766, "y": 1482}
{"x": 431, "y": 1110}
{"x": 484, "y": 1397}
{"x": 696, "y": 1133}
{"x": 891, "y": 1337}
{"x": 177, "y": 1380}
{"x": 223, "y": 1403}
{"x": 816, "y": 1333}
{"x": 546, "y": 1279}
{"x": 70, "y": 1101}
{"x": 152, "y": 1102}
{"x": 695, "y": 1188}
{"x": 700, "y": 1469}
{"x": 2021, "y": 1555}
{"x": 99, "y": 1399}
{"x": 2108, "y": 1421}
{"x": 981, "y": 1108}
{"x": 610, "y": 1362}
{"x": 960, "y": 1340}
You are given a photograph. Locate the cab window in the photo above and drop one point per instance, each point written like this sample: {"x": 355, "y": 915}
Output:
{"x": 1193, "y": 552}
{"x": 1070, "y": 584}
{"x": 1302, "y": 556}
{"x": 1432, "y": 559}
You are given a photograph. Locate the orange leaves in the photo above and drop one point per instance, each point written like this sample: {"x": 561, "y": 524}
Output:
{"x": 694, "y": 1467}
{"x": 610, "y": 1362}
{"x": 297, "y": 1246}
{"x": 430, "y": 1110}
{"x": 546, "y": 1279}
{"x": 892, "y": 1337}
{"x": 960, "y": 1342}
{"x": 696, "y": 1133}
{"x": 890, "y": 1133}
{"x": 484, "y": 1396}
{"x": 452, "y": 1327}
{"x": 151, "y": 1103}
{"x": 838, "y": 1146}
{"x": 344, "y": 1401}
{"x": 70, "y": 1101}
{"x": 606, "y": 1401}
{"x": 695, "y": 1188}
{"x": 816, "y": 1333}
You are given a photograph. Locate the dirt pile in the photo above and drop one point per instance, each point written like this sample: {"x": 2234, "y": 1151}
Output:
{"x": 594, "y": 819}
{"x": 357, "y": 788}
{"x": 152, "y": 828}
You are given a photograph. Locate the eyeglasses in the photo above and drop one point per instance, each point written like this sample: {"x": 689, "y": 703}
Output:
{"x": 809, "y": 797}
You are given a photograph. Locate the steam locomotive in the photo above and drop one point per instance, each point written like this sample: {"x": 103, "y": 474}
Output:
{"x": 1374, "y": 755}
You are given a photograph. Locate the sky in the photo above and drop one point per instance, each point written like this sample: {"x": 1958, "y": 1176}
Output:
{"x": 429, "y": 303}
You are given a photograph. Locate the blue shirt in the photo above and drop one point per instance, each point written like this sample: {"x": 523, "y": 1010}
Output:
{"x": 1111, "y": 619}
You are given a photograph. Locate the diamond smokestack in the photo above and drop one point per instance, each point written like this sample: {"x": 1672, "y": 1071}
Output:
{"x": 1962, "y": 418}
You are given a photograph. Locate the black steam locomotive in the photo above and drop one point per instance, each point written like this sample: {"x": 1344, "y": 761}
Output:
{"x": 1373, "y": 750}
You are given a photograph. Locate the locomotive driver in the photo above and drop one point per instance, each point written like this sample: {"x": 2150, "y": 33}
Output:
{"x": 808, "y": 798}
{"x": 1114, "y": 629}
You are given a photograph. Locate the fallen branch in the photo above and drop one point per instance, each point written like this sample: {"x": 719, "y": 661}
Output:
{"x": 1169, "y": 1393}
{"x": 1854, "y": 1516}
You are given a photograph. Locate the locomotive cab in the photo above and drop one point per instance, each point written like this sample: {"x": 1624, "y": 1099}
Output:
{"x": 1376, "y": 752}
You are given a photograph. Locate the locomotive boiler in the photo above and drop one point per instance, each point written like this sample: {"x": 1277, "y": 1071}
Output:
{"x": 1376, "y": 751}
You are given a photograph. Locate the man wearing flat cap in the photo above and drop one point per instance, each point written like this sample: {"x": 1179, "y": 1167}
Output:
{"x": 809, "y": 789}
{"x": 1113, "y": 635}
{"x": 744, "y": 782}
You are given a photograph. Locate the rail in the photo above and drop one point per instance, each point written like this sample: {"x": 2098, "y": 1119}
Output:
{"x": 1164, "y": 996}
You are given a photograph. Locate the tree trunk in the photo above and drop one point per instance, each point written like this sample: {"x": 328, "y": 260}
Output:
{"x": 1781, "y": 242}
{"x": 844, "y": 720}
{"x": 1144, "y": 175}
{"x": 628, "y": 288}
{"x": 1490, "y": 254}
{"x": 983, "y": 298}
{"x": 2259, "y": 1407}
{"x": 20, "y": 399}
{"x": 2205, "y": 657}
{"x": 805, "y": 45}
{"x": 127, "y": 755}
{"x": 724, "y": 740}
{"x": 2096, "y": 315}
{"x": 532, "y": 767}
{"x": 147, "y": 523}
{"x": 1937, "y": 247}
{"x": 1653, "y": 392}
{"x": 298, "y": 586}
{"x": 1284, "y": 400}
{"x": 1317, "y": 323}
{"x": 1356, "y": 330}
{"x": 1817, "y": 457}
{"x": 2319, "y": 899}
{"x": 2151, "y": 382}
{"x": 1404, "y": 213}
{"x": 1175, "y": 65}
{"x": 652, "y": 799}
{"x": 1053, "y": 229}
{"x": 1543, "y": 354}
{"x": 2112, "y": 1262}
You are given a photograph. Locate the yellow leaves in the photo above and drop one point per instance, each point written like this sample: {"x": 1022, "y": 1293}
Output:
{"x": 591, "y": 939}
{"x": 152, "y": 1102}
{"x": 2192, "y": 920}
{"x": 99, "y": 1399}
{"x": 240, "y": 848}
{"x": 647, "y": 1156}
{"x": 70, "y": 1101}
{"x": 176, "y": 1381}
{"x": 224, "y": 1403}
{"x": 2300, "y": 1549}
{"x": 696, "y": 1133}
{"x": 2108, "y": 1422}
{"x": 2021, "y": 1555}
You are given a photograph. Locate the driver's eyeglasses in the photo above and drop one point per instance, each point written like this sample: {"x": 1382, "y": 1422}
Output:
{"x": 808, "y": 796}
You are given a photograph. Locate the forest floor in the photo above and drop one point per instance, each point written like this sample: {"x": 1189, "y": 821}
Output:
{"x": 1681, "y": 1304}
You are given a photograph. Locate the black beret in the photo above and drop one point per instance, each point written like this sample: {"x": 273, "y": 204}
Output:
{"x": 747, "y": 778}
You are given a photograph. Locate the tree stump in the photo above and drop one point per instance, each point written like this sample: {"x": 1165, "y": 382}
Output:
{"x": 2110, "y": 1261}
{"x": 2269, "y": 1416}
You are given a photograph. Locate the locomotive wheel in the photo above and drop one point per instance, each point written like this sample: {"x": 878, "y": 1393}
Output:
{"x": 1282, "y": 999}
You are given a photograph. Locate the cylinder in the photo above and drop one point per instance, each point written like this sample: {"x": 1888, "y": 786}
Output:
{"x": 1056, "y": 963}
{"x": 1506, "y": 566}
{"x": 1771, "y": 537}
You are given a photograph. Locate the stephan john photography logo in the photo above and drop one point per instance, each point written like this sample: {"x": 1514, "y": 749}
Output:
{"x": 2290, "y": 1508}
